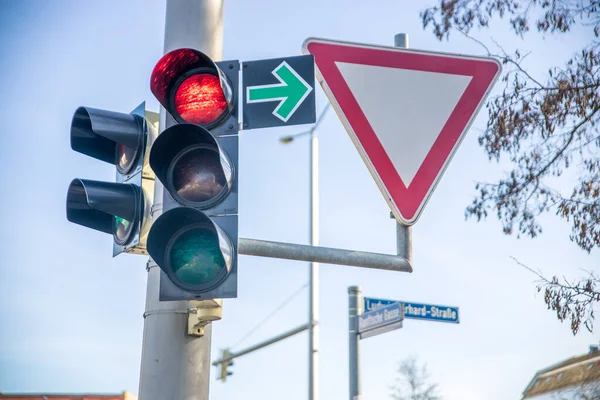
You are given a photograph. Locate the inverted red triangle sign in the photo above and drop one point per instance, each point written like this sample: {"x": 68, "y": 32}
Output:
{"x": 405, "y": 110}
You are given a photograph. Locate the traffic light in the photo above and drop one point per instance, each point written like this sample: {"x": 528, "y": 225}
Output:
{"x": 224, "y": 373}
{"x": 120, "y": 208}
{"x": 194, "y": 240}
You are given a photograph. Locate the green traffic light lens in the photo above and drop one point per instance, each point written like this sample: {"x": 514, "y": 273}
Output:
{"x": 122, "y": 230}
{"x": 196, "y": 258}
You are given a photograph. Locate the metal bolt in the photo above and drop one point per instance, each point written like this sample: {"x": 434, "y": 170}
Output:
{"x": 230, "y": 126}
{"x": 230, "y": 66}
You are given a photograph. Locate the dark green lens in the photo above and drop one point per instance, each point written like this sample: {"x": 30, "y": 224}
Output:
{"x": 196, "y": 257}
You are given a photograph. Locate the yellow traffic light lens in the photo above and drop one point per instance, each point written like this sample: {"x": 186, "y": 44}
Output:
{"x": 196, "y": 258}
{"x": 198, "y": 176}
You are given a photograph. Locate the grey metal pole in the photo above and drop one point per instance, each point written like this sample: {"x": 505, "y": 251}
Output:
{"x": 175, "y": 365}
{"x": 404, "y": 242}
{"x": 355, "y": 308}
{"x": 313, "y": 280}
{"x": 327, "y": 255}
{"x": 260, "y": 345}
{"x": 403, "y": 232}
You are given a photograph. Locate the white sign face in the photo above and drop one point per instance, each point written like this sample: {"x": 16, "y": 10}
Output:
{"x": 405, "y": 110}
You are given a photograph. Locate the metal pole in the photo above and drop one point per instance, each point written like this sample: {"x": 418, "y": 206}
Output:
{"x": 260, "y": 345}
{"x": 403, "y": 232}
{"x": 355, "y": 298}
{"x": 175, "y": 365}
{"x": 355, "y": 308}
{"x": 313, "y": 280}
{"x": 327, "y": 255}
{"x": 404, "y": 241}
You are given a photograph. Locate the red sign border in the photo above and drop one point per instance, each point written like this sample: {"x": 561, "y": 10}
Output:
{"x": 406, "y": 202}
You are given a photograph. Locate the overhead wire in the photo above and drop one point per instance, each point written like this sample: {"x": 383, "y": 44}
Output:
{"x": 271, "y": 314}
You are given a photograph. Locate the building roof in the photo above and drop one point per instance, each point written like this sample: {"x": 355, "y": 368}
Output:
{"x": 63, "y": 396}
{"x": 574, "y": 372}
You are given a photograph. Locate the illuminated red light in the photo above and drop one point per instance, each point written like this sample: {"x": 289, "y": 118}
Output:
{"x": 168, "y": 69}
{"x": 200, "y": 100}
{"x": 187, "y": 83}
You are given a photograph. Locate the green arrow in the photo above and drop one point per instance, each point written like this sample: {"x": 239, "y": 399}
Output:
{"x": 290, "y": 92}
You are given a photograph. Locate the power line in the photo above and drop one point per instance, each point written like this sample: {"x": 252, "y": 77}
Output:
{"x": 275, "y": 311}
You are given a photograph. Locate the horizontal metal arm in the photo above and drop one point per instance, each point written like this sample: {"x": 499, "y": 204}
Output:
{"x": 326, "y": 255}
{"x": 261, "y": 345}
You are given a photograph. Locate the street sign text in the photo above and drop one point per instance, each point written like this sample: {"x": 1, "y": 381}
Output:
{"x": 380, "y": 317}
{"x": 431, "y": 312}
{"x": 373, "y": 304}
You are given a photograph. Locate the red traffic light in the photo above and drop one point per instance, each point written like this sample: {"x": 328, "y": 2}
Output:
{"x": 192, "y": 88}
{"x": 199, "y": 99}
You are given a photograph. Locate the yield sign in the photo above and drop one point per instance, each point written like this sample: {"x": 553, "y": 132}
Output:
{"x": 405, "y": 110}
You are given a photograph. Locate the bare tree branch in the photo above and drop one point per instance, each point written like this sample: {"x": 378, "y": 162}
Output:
{"x": 413, "y": 382}
{"x": 572, "y": 301}
{"x": 544, "y": 126}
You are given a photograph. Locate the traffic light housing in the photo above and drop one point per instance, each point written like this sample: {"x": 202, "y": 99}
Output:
{"x": 120, "y": 208}
{"x": 223, "y": 366}
{"x": 196, "y": 90}
{"x": 194, "y": 240}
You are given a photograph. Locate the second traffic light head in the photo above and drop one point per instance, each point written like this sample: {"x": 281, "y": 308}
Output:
{"x": 224, "y": 372}
{"x": 121, "y": 208}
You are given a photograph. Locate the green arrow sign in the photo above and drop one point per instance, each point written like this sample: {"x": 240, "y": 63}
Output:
{"x": 290, "y": 92}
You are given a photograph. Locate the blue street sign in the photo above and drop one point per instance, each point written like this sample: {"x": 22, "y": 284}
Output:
{"x": 387, "y": 318}
{"x": 373, "y": 303}
{"x": 431, "y": 312}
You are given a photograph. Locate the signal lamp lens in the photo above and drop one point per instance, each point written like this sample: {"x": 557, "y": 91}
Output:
{"x": 199, "y": 99}
{"x": 122, "y": 230}
{"x": 125, "y": 158}
{"x": 196, "y": 258}
{"x": 200, "y": 176}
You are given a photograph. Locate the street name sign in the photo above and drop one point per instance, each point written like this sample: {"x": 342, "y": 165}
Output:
{"x": 405, "y": 110}
{"x": 279, "y": 92}
{"x": 373, "y": 303}
{"x": 431, "y": 312}
{"x": 380, "y": 320}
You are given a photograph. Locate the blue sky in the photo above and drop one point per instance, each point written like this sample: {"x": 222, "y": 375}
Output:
{"x": 71, "y": 316}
